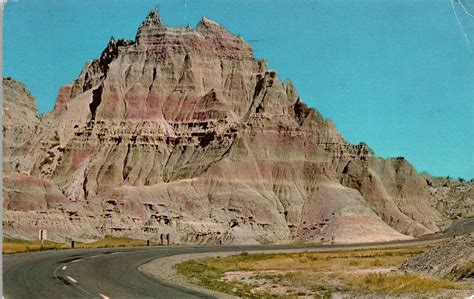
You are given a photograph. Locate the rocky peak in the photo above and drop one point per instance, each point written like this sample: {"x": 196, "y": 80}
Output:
{"x": 109, "y": 54}
{"x": 17, "y": 94}
{"x": 111, "y": 48}
{"x": 184, "y": 131}
{"x": 208, "y": 35}
{"x": 150, "y": 26}
{"x": 206, "y": 24}
{"x": 152, "y": 19}
{"x": 19, "y": 124}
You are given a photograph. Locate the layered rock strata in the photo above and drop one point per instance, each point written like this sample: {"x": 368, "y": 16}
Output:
{"x": 183, "y": 132}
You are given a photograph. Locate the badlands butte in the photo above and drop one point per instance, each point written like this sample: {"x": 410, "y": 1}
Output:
{"x": 183, "y": 132}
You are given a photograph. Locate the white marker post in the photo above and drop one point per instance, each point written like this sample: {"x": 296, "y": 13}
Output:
{"x": 43, "y": 234}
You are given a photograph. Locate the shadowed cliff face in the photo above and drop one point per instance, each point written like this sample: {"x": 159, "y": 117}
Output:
{"x": 182, "y": 131}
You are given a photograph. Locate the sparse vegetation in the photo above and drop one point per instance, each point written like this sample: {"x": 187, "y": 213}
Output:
{"x": 318, "y": 274}
{"x": 11, "y": 245}
{"x": 462, "y": 272}
{"x": 398, "y": 284}
{"x": 110, "y": 241}
{"x": 318, "y": 261}
{"x": 202, "y": 274}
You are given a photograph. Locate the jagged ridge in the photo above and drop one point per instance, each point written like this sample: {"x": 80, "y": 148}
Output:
{"x": 182, "y": 131}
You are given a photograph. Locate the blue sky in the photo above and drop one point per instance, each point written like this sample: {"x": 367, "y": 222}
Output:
{"x": 396, "y": 74}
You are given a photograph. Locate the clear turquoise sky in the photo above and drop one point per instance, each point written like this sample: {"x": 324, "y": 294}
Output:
{"x": 397, "y": 74}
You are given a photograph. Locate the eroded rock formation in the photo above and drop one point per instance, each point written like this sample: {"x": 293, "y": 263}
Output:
{"x": 183, "y": 131}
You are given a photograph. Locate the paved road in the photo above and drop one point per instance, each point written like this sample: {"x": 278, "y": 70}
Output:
{"x": 459, "y": 227}
{"x": 102, "y": 273}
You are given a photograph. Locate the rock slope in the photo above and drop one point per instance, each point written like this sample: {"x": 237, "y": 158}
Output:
{"x": 453, "y": 198}
{"x": 183, "y": 132}
{"x": 19, "y": 125}
{"x": 454, "y": 259}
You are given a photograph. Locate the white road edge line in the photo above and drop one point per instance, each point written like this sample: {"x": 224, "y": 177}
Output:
{"x": 94, "y": 256}
{"x": 64, "y": 268}
{"x": 71, "y": 279}
{"x": 75, "y": 261}
{"x": 104, "y": 297}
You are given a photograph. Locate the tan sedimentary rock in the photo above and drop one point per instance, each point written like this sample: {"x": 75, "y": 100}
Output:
{"x": 183, "y": 132}
{"x": 19, "y": 125}
{"x": 453, "y": 198}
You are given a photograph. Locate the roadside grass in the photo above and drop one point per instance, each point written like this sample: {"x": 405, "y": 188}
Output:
{"x": 317, "y": 261}
{"x": 319, "y": 274}
{"x": 399, "y": 284}
{"x": 322, "y": 285}
{"x": 110, "y": 241}
{"x": 12, "y": 245}
{"x": 200, "y": 273}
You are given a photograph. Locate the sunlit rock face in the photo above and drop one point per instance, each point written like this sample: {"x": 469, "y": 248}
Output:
{"x": 19, "y": 124}
{"x": 183, "y": 132}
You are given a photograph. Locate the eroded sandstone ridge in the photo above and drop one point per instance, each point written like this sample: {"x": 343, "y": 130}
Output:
{"x": 183, "y": 131}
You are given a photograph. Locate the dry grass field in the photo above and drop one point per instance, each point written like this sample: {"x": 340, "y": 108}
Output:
{"x": 17, "y": 245}
{"x": 314, "y": 274}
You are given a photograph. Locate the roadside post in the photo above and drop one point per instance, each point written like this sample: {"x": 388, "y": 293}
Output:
{"x": 43, "y": 234}
{"x": 161, "y": 239}
{"x": 167, "y": 239}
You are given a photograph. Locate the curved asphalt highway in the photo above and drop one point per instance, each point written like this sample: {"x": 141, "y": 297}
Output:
{"x": 113, "y": 273}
